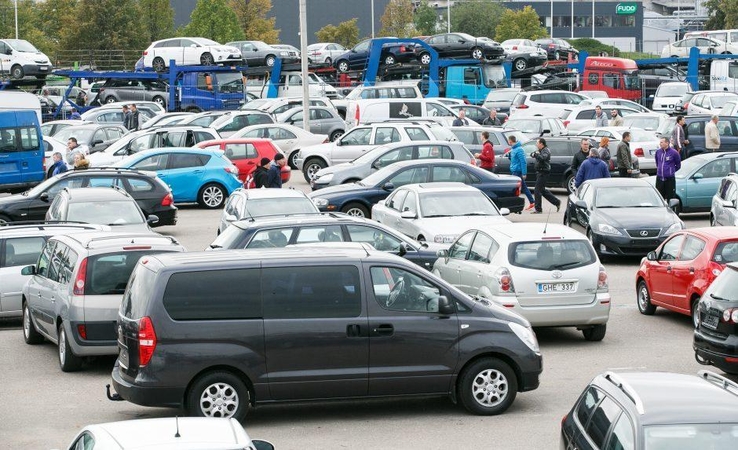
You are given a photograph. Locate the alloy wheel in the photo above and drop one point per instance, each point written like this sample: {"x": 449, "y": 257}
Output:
{"x": 490, "y": 387}
{"x": 219, "y": 400}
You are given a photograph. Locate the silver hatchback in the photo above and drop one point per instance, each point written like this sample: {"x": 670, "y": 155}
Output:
{"x": 75, "y": 289}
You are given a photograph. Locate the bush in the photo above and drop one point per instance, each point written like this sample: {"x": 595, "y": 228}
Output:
{"x": 593, "y": 46}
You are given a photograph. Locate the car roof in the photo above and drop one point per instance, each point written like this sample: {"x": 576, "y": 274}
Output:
{"x": 710, "y": 156}
{"x": 96, "y": 194}
{"x": 106, "y": 170}
{"x": 439, "y": 187}
{"x": 482, "y": 128}
{"x": 414, "y": 162}
{"x": 132, "y": 240}
{"x": 155, "y": 433}
{"x": 298, "y": 220}
{"x": 720, "y": 233}
{"x": 42, "y": 229}
{"x": 618, "y": 182}
{"x": 532, "y": 231}
{"x": 195, "y": 150}
{"x": 270, "y": 193}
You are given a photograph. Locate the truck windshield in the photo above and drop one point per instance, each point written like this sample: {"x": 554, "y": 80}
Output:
{"x": 230, "y": 83}
{"x": 494, "y": 76}
{"x": 632, "y": 80}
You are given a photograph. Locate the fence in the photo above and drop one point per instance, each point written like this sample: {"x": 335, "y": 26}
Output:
{"x": 96, "y": 59}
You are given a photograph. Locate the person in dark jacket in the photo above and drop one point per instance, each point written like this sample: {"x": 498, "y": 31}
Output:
{"x": 591, "y": 169}
{"x": 487, "y": 157}
{"x": 274, "y": 176}
{"x": 492, "y": 120}
{"x": 580, "y": 156}
{"x": 461, "y": 120}
{"x": 624, "y": 161}
{"x": 59, "y": 165}
{"x": 133, "y": 120}
{"x": 126, "y": 117}
{"x": 543, "y": 168}
{"x": 261, "y": 174}
{"x": 668, "y": 161}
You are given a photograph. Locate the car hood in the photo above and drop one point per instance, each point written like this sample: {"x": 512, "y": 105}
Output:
{"x": 319, "y": 149}
{"x": 12, "y": 200}
{"x": 339, "y": 190}
{"x": 335, "y": 169}
{"x": 661, "y": 217}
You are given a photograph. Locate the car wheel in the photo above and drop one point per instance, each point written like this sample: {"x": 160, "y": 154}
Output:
{"x": 158, "y": 64}
{"x": 570, "y": 184}
{"x": 206, "y": 59}
{"x": 328, "y": 61}
{"x": 421, "y": 239}
{"x": 335, "y": 135}
{"x": 557, "y": 55}
{"x": 343, "y": 66}
{"x": 567, "y": 218}
{"x": 644, "y": 299}
{"x": 520, "y": 64}
{"x": 487, "y": 387}
{"x": 425, "y": 58}
{"x": 389, "y": 60}
{"x": 68, "y": 361}
{"x": 696, "y": 312}
{"x": 211, "y": 196}
{"x": 311, "y": 167}
{"x": 292, "y": 160}
{"x": 159, "y": 101}
{"x": 16, "y": 72}
{"x": 477, "y": 53}
{"x": 590, "y": 238}
{"x": 269, "y": 60}
{"x": 356, "y": 210}
{"x": 4, "y": 220}
{"x": 110, "y": 99}
{"x": 713, "y": 222}
{"x": 219, "y": 395}
{"x": 596, "y": 333}
{"x": 30, "y": 333}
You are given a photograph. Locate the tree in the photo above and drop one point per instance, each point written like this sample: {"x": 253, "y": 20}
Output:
{"x": 521, "y": 24}
{"x": 346, "y": 33}
{"x": 723, "y": 14}
{"x": 157, "y": 19}
{"x": 103, "y": 25}
{"x": 397, "y": 19}
{"x": 425, "y": 19}
{"x": 214, "y": 19}
{"x": 252, "y": 17}
{"x": 593, "y": 46}
{"x": 52, "y": 17}
{"x": 480, "y": 19}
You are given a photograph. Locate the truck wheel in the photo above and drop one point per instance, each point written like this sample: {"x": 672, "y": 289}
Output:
{"x": 269, "y": 60}
{"x": 487, "y": 387}
{"x": 206, "y": 59}
{"x": 520, "y": 64}
{"x": 158, "y": 64}
{"x": 16, "y": 72}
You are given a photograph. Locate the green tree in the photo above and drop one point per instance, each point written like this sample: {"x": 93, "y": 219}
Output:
{"x": 252, "y": 17}
{"x": 157, "y": 19}
{"x": 397, "y": 19}
{"x": 521, "y": 24}
{"x": 214, "y": 19}
{"x": 53, "y": 16}
{"x": 425, "y": 19}
{"x": 723, "y": 14}
{"x": 480, "y": 19}
{"x": 346, "y": 33}
{"x": 103, "y": 25}
{"x": 593, "y": 46}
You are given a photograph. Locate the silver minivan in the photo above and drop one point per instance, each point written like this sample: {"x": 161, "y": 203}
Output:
{"x": 75, "y": 288}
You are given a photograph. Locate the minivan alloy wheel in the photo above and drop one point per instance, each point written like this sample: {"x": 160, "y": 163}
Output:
{"x": 219, "y": 400}
{"x": 490, "y": 387}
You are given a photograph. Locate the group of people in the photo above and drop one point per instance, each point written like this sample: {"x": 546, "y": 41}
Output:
{"x": 269, "y": 172}
{"x": 75, "y": 157}
{"x": 131, "y": 116}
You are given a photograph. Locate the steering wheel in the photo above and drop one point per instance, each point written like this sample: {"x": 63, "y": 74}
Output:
{"x": 395, "y": 292}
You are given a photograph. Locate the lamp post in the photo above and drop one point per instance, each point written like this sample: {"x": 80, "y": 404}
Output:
{"x": 304, "y": 67}
{"x": 552, "y": 19}
{"x": 372, "y": 19}
{"x": 448, "y": 16}
{"x": 16, "y": 18}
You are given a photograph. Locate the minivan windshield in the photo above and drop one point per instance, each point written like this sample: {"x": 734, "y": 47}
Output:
{"x": 22, "y": 46}
{"x": 551, "y": 255}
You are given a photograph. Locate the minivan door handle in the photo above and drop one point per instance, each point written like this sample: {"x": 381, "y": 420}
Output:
{"x": 353, "y": 330}
{"x": 385, "y": 329}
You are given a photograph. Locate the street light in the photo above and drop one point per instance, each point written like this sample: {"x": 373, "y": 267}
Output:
{"x": 448, "y": 15}
{"x": 16, "y": 18}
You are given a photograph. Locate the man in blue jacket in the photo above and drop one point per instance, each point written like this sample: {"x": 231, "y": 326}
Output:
{"x": 59, "y": 165}
{"x": 668, "y": 161}
{"x": 274, "y": 175}
{"x": 591, "y": 169}
{"x": 519, "y": 167}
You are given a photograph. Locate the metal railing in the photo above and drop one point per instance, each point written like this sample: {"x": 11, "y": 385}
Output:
{"x": 96, "y": 59}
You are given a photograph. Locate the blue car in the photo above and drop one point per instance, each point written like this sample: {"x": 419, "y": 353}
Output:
{"x": 194, "y": 175}
{"x": 699, "y": 178}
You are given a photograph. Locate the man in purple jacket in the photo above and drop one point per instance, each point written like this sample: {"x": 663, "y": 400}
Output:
{"x": 668, "y": 162}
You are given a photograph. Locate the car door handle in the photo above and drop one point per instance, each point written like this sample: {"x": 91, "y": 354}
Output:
{"x": 691, "y": 270}
{"x": 353, "y": 330}
{"x": 385, "y": 329}
{"x": 197, "y": 171}
{"x": 668, "y": 268}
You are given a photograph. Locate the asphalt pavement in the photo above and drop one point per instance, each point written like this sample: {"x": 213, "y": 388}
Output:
{"x": 42, "y": 407}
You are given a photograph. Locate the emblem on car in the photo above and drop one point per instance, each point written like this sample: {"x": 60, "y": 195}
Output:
{"x": 556, "y": 274}
{"x": 644, "y": 233}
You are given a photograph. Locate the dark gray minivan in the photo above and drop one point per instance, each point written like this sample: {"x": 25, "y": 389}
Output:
{"x": 220, "y": 332}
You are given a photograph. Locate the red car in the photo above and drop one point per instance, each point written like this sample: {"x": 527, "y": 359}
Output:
{"x": 246, "y": 153}
{"x": 676, "y": 274}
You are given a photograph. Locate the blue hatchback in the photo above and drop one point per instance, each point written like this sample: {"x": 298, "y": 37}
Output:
{"x": 194, "y": 175}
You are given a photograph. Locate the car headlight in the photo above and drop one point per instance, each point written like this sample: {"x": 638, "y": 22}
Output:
{"x": 608, "y": 229}
{"x": 320, "y": 202}
{"x": 444, "y": 238}
{"x": 674, "y": 228}
{"x": 534, "y": 54}
{"x": 526, "y": 335}
{"x": 324, "y": 178}
{"x": 283, "y": 53}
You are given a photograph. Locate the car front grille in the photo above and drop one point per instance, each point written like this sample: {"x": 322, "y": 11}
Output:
{"x": 643, "y": 233}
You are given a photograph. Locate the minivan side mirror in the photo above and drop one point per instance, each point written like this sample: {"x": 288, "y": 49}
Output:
{"x": 29, "y": 270}
{"x": 445, "y": 307}
{"x": 651, "y": 256}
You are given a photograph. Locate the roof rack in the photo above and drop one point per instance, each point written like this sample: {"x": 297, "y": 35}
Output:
{"x": 41, "y": 223}
{"x": 132, "y": 237}
{"x": 719, "y": 381}
{"x": 627, "y": 390}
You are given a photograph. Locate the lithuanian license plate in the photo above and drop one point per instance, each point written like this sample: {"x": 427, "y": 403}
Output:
{"x": 545, "y": 288}
{"x": 711, "y": 322}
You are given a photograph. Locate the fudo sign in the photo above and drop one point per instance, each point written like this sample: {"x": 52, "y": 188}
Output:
{"x": 626, "y": 8}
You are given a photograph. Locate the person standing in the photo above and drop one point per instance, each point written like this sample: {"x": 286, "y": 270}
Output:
{"x": 74, "y": 114}
{"x": 274, "y": 175}
{"x": 580, "y": 156}
{"x": 616, "y": 120}
{"x": 80, "y": 162}
{"x": 591, "y": 169}
{"x": 126, "y": 117}
{"x": 519, "y": 167}
{"x": 492, "y": 120}
{"x": 261, "y": 174}
{"x": 133, "y": 121}
{"x": 623, "y": 158}
{"x": 543, "y": 168}
{"x": 678, "y": 138}
{"x": 600, "y": 117}
{"x": 73, "y": 148}
{"x": 668, "y": 162}
{"x": 59, "y": 165}
{"x": 712, "y": 135}
{"x": 603, "y": 152}
{"x": 488, "y": 153}
{"x": 461, "y": 120}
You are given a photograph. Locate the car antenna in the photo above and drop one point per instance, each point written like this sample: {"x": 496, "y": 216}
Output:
{"x": 545, "y": 227}
{"x": 176, "y": 422}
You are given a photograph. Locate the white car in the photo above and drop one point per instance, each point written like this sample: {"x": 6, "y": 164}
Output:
{"x": 289, "y": 138}
{"x": 668, "y": 95}
{"x": 547, "y": 273}
{"x": 189, "y": 51}
{"x": 610, "y": 102}
{"x": 522, "y": 46}
{"x": 167, "y": 433}
{"x": 234, "y": 121}
{"x": 438, "y": 212}
{"x": 646, "y": 121}
{"x": 253, "y": 203}
{"x": 549, "y": 103}
{"x": 325, "y": 52}
{"x": 681, "y": 48}
{"x": 21, "y": 58}
{"x": 709, "y": 102}
{"x": 583, "y": 117}
{"x": 730, "y": 108}
{"x": 643, "y": 144}
{"x": 276, "y": 106}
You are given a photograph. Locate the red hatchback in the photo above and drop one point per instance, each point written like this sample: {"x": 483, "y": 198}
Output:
{"x": 246, "y": 153}
{"x": 676, "y": 274}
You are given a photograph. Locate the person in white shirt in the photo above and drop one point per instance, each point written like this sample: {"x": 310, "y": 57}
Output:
{"x": 712, "y": 135}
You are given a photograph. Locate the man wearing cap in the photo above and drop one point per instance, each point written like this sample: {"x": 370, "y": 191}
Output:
{"x": 274, "y": 175}
{"x": 261, "y": 173}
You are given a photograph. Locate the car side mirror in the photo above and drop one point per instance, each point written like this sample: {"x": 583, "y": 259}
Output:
{"x": 408, "y": 215}
{"x": 651, "y": 256}
{"x": 445, "y": 307}
{"x": 97, "y": 142}
{"x": 262, "y": 445}
{"x": 545, "y": 132}
{"x": 9, "y": 51}
{"x": 402, "y": 251}
{"x": 29, "y": 270}
{"x": 388, "y": 187}
{"x": 698, "y": 176}
{"x": 673, "y": 203}
{"x": 193, "y": 45}
{"x": 152, "y": 219}
{"x": 504, "y": 212}
{"x": 581, "y": 204}
{"x": 727, "y": 204}
{"x": 442, "y": 253}
{"x": 338, "y": 142}
{"x": 44, "y": 196}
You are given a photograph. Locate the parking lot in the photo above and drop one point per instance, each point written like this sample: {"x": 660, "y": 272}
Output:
{"x": 41, "y": 407}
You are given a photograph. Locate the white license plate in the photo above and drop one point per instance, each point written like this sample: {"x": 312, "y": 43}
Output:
{"x": 545, "y": 288}
{"x": 710, "y": 322}
{"x": 43, "y": 68}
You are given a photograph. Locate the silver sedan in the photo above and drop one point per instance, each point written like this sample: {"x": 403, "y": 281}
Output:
{"x": 289, "y": 138}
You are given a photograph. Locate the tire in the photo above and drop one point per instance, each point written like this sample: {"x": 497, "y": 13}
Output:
{"x": 41, "y": 77}
{"x": 110, "y": 99}
{"x": 342, "y": 66}
{"x": 292, "y": 160}
{"x": 4, "y": 220}
{"x": 30, "y": 334}
{"x": 475, "y": 392}
{"x": 477, "y": 53}
{"x": 643, "y": 299}
{"x": 328, "y": 61}
{"x": 68, "y": 361}
{"x": 206, "y": 59}
{"x": 193, "y": 109}
{"x": 421, "y": 239}
{"x": 356, "y": 210}
{"x": 569, "y": 184}
{"x": 567, "y": 219}
{"x": 335, "y": 135}
{"x": 158, "y": 64}
{"x": 520, "y": 64}
{"x": 696, "y": 312}
{"x": 159, "y": 100}
{"x": 596, "y": 333}
{"x": 212, "y": 196}
{"x": 311, "y": 167}
{"x": 590, "y": 238}
{"x": 424, "y": 58}
{"x": 213, "y": 388}
{"x": 557, "y": 55}
{"x": 16, "y": 72}
{"x": 713, "y": 222}
{"x": 389, "y": 60}
{"x": 269, "y": 60}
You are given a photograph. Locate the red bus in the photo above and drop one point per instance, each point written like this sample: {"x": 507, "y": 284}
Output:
{"x": 616, "y": 76}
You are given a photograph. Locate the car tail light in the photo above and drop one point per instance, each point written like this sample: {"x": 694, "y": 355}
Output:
{"x": 146, "y": 52}
{"x": 517, "y": 189}
{"x": 685, "y": 106}
{"x": 638, "y": 152}
{"x": 146, "y": 341}
{"x": 515, "y": 47}
{"x": 566, "y": 123}
{"x": 231, "y": 169}
{"x": 714, "y": 269}
{"x": 327, "y": 140}
{"x": 523, "y": 106}
{"x": 167, "y": 200}
{"x": 82, "y": 331}
{"x": 563, "y": 420}
{"x": 602, "y": 279}
{"x": 79, "y": 282}
{"x": 553, "y": 46}
{"x": 505, "y": 280}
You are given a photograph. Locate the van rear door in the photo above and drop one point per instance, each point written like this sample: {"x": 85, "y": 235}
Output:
{"x": 21, "y": 149}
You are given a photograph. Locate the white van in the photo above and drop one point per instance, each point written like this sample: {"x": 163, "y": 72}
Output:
{"x": 20, "y": 58}
{"x": 376, "y": 110}
{"x": 668, "y": 95}
{"x": 724, "y": 75}
{"x": 290, "y": 85}
{"x": 20, "y": 101}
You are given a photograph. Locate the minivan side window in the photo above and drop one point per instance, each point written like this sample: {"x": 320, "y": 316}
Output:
{"x": 271, "y": 238}
{"x": 602, "y": 418}
{"x": 7, "y": 140}
{"x": 42, "y": 268}
{"x": 460, "y": 248}
{"x": 213, "y": 295}
{"x": 587, "y": 404}
{"x": 399, "y": 290}
{"x": 311, "y": 292}
{"x": 57, "y": 257}
{"x": 22, "y": 251}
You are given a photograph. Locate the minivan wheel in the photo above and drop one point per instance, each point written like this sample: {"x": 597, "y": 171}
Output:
{"x": 488, "y": 387}
{"x": 596, "y": 333}
{"x": 218, "y": 394}
{"x": 211, "y": 196}
{"x": 30, "y": 334}
{"x": 644, "y": 299}
{"x": 16, "y": 72}
{"x": 68, "y": 361}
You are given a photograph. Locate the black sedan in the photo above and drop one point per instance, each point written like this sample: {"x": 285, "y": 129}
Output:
{"x": 357, "y": 199}
{"x": 459, "y": 45}
{"x": 622, "y": 216}
{"x": 356, "y": 58}
{"x": 557, "y": 48}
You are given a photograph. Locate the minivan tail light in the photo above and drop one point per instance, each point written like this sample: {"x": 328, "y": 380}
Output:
{"x": 638, "y": 152}
{"x": 602, "y": 279}
{"x": 79, "y": 282}
{"x": 82, "y": 331}
{"x": 505, "y": 280}
{"x": 146, "y": 341}
{"x": 168, "y": 200}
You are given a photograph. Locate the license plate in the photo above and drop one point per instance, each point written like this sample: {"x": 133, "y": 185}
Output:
{"x": 652, "y": 152}
{"x": 711, "y": 322}
{"x": 545, "y": 288}
{"x": 43, "y": 68}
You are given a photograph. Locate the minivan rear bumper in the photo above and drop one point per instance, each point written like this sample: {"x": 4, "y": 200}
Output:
{"x": 146, "y": 396}
{"x": 594, "y": 313}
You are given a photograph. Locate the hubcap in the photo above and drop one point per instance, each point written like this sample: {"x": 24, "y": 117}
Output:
{"x": 219, "y": 400}
{"x": 159, "y": 101}
{"x": 293, "y": 159}
{"x": 356, "y": 212}
{"x": 158, "y": 65}
{"x": 520, "y": 65}
{"x": 312, "y": 170}
{"x": 62, "y": 345}
{"x": 336, "y": 135}
{"x": 572, "y": 185}
{"x": 270, "y": 61}
{"x": 490, "y": 388}
{"x": 343, "y": 67}
{"x": 425, "y": 59}
{"x": 111, "y": 100}
{"x": 389, "y": 60}
{"x": 212, "y": 196}
{"x": 643, "y": 298}
{"x": 207, "y": 60}
{"x": 477, "y": 54}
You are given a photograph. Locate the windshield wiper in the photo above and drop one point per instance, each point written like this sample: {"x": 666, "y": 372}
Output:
{"x": 436, "y": 215}
{"x": 565, "y": 265}
{"x": 717, "y": 297}
{"x": 477, "y": 214}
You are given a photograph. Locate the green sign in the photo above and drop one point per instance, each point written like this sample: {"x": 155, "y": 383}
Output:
{"x": 626, "y": 9}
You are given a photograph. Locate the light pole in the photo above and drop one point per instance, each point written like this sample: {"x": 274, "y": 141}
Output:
{"x": 448, "y": 16}
{"x": 372, "y": 19}
{"x": 552, "y": 19}
{"x": 16, "y": 18}
{"x": 304, "y": 67}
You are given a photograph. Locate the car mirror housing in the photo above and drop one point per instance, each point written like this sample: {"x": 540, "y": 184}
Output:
{"x": 152, "y": 219}
{"x": 727, "y": 204}
{"x": 408, "y": 215}
{"x": 445, "y": 307}
{"x": 338, "y": 142}
{"x": 388, "y": 187}
{"x": 504, "y": 212}
{"x": 698, "y": 176}
{"x": 44, "y": 196}
{"x": 262, "y": 445}
{"x": 442, "y": 253}
{"x": 29, "y": 270}
{"x": 581, "y": 204}
{"x": 673, "y": 203}
{"x": 651, "y": 256}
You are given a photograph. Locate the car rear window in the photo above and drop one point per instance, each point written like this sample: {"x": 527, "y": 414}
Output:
{"x": 108, "y": 274}
{"x": 726, "y": 252}
{"x": 137, "y": 295}
{"x": 551, "y": 254}
{"x": 518, "y": 100}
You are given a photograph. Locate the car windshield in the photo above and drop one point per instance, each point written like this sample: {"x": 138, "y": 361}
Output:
{"x": 551, "y": 255}
{"x": 83, "y": 135}
{"x": 106, "y": 213}
{"x": 278, "y": 206}
{"x": 632, "y": 80}
{"x": 203, "y": 41}
{"x": 647, "y": 123}
{"x": 22, "y": 46}
{"x": 258, "y": 103}
{"x": 672, "y": 90}
{"x": 230, "y": 83}
{"x": 689, "y": 166}
{"x": 666, "y": 127}
{"x": 443, "y": 134}
{"x": 524, "y": 125}
{"x": 642, "y": 135}
{"x": 714, "y": 436}
{"x": 453, "y": 204}
{"x": 494, "y": 76}
{"x": 502, "y": 96}
{"x": 628, "y": 197}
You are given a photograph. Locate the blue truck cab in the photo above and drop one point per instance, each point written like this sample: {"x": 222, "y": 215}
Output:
{"x": 473, "y": 81}
{"x": 208, "y": 91}
{"x": 21, "y": 150}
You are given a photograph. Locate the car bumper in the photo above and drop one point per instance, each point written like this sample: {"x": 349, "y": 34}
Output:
{"x": 146, "y": 395}
{"x": 166, "y": 217}
{"x": 514, "y": 204}
{"x": 83, "y": 347}
{"x": 229, "y": 59}
{"x": 719, "y": 352}
{"x": 37, "y": 69}
{"x": 594, "y": 313}
{"x": 539, "y": 60}
{"x": 624, "y": 245}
